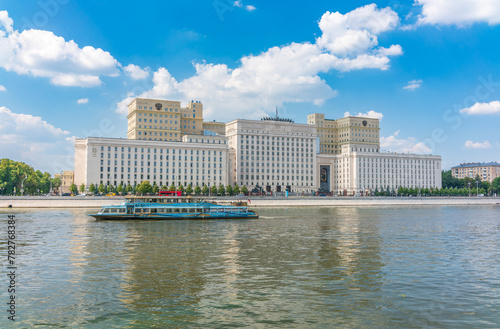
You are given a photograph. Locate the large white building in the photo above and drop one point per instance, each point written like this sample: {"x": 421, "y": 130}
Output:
{"x": 197, "y": 160}
{"x": 275, "y": 155}
{"x": 340, "y": 156}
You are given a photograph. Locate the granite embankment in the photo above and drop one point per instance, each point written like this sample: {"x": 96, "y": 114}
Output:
{"x": 92, "y": 202}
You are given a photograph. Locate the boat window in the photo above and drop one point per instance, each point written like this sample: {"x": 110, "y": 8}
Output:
{"x": 154, "y": 210}
{"x": 168, "y": 209}
{"x": 176, "y": 209}
{"x": 184, "y": 210}
{"x": 192, "y": 210}
{"x": 106, "y": 210}
{"x": 138, "y": 210}
{"x": 121, "y": 210}
{"x": 161, "y": 210}
{"x": 146, "y": 210}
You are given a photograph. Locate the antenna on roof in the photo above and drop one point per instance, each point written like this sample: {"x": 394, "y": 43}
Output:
{"x": 276, "y": 111}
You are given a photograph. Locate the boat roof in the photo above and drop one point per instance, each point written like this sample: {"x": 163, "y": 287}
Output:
{"x": 172, "y": 205}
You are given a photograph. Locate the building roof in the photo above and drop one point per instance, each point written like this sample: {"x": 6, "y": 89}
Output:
{"x": 477, "y": 164}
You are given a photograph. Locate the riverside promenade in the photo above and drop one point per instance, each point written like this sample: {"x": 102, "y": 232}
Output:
{"x": 256, "y": 202}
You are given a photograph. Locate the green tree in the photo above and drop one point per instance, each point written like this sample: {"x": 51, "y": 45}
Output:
{"x": 111, "y": 189}
{"x": 119, "y": 189}
{"x": 156, "y": 188}
{"x": 197, "y": 190}
{"x": 56, "y": 183}
{"x": 144, "y": 188}
{"x": 129, "y": 188}
{"x": 164, "y": 188}
{"x": 73, "y": 189}
{"x": 92, "y": 188}
{"x": 204, "y": 190}
{"x": 213, "y": 190}
{"x": 101, "y": 188}
{"x": 172, "y": 187}
{"x": 189, "y": 190}
{"x": 181, "y": 188}
{"x": 236, "y": 189}
{"x": 221, "y": 190}
{"x": 244, "y": 190}
{"x": 448, "y": 180}
{"x": 82, "y": 188}
{"x": 229, "y": 190}
{"x": 495, "y": 185}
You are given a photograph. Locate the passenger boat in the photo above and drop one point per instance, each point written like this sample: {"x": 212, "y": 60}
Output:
{"x": 153, "y": 210}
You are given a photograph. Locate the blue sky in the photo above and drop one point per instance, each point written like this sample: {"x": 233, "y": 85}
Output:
{"x": 428, "y": 69}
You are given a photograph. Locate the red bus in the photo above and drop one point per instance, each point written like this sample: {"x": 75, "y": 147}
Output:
{"x": 169, "y": 193}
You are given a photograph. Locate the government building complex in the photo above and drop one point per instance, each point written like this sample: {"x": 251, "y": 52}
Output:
{"x": 167, "y": 144}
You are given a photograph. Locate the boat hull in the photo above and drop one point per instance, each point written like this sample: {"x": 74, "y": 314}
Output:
{"x": 173, "y": 217}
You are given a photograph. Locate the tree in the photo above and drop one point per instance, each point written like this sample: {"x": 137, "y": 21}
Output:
{"x": 73, "y": 189}
{"x": 221, "y": 190}
{"x": 213, "y": 190}
{"x": 101, "y": 188}
{"x": 92, "y": 188}
{"x": 495, "y": 185}
{"x": 181, "y": 188}
{"x": 144, "y": 188}
{"x": 129, "y": 188}
{"x": 197, "y": 190}
{"x": 56, "y": 183}
{"x": 111, "y": 189}
{"x": 82, "y": 188}
{"x": 156, "y": 188}
{"x": 244, "y": 190}
{"x": 172, "y": 187}
{"x": 236, "y": 189}
{"x": 229, "y": 190}
{"x": 448, "y": 180}
{"x": 119, "y": 188}
{"x": 204, "y": 190}
{"x": 189, "y": 190}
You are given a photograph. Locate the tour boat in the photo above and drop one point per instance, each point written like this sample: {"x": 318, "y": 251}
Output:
{"x": 196, "y": 210}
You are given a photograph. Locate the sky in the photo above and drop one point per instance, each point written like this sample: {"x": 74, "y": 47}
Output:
{"x": 428, "y": 69}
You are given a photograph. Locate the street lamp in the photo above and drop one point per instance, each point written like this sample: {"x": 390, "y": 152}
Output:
{"x": 477, "y": 189}
{"x": 22, "y": 184}
{"x": 469, "y": 189}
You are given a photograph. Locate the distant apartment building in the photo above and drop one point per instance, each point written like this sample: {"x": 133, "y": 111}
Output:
{"x": 67, "y": 178}
{"x": 214, "y": 126}
{"x": 487, "y": 171}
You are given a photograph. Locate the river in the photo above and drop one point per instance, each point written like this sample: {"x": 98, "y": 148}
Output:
{"x": 301, "y": 267}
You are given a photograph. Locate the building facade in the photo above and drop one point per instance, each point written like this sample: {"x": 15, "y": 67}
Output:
{"x": 67, "y": 178}
{"x": 275, "y": 155}
{"x": 486, "y": 171}
{"x": 168, "y": 144}
{"x": 198, "y": 160}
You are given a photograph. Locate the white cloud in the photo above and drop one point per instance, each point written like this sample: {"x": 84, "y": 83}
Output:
{"x": 477, "y": 145}
{"x": 413, "y": 84}
{"x": 30, "y": 139}
{"x": 250, "y": 8}
{"x": 43, "y": 54}
{"x": 370, "y": 114}
{"x": 135, "y": 72}
{"x": 83, "y": 101}
{"x": 483, "y": 108}
{"x": 459, "y": 12}
{"x": 284, "y": 74}
{"x": 237, "y": 4}
{"x": 2, "y": 88}
{"x": 401, "y": 145}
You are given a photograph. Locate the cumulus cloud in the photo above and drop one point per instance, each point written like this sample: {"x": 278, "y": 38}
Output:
{"x": 83, "y": 101}
{"x": 413, "y": 84}
{"x": 43, "y": 54}
{"x": 135, "y": 72}
{"x": 477, "y": 145}
{"x": 30, "y": 139}
{"x": 401, "y": 145}
{"x": 250, "y": 8}
{"x": 2, "y": 88}
{"x": 370, "y": 114}
{"x": 288, "y": 73}
{"x": 482, "y": 108}
{"x": 459, "y": 12}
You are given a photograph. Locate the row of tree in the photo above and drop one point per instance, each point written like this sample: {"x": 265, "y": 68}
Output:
{"x": 15, "y": 176}
{"x": 146, "y": 188}
{"x": 450, "y": 182}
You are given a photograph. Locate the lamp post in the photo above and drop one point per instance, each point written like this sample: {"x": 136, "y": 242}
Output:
{"x": 477, "y": 189}
{"x": 22, "y": 184}
{"x": 469, "y": 189}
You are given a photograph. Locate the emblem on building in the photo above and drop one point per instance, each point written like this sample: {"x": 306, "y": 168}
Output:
{"x": 323, "y": 176}
{"x": 365, "y": 123}
{"x": 158, "y": 106}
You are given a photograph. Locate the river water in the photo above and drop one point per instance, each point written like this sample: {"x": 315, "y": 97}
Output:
{"x": 367, "y": 267}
